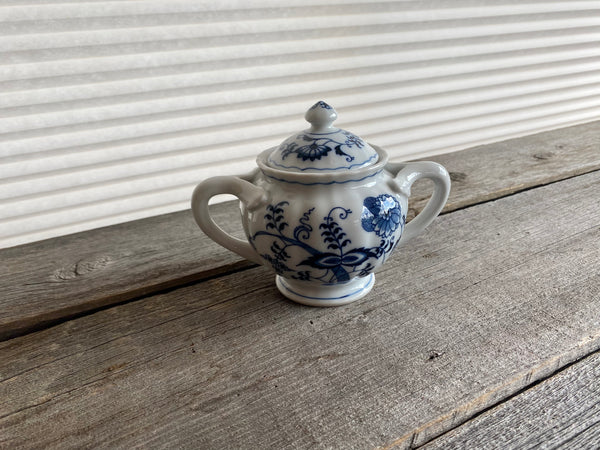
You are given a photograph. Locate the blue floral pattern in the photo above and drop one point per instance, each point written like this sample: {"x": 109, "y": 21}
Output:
{"x": 340, "y": 260}
{"x": 321, "y": 104}
{"x": 318, "y": 146}
{"x": 382, "y": 215}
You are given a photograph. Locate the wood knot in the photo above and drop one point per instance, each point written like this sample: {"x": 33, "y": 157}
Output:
{"x": 458, "y": 176}
{"x": 115, "y": 367}
{"x": 543, "y": 155}
{"x": 82, "y": 267}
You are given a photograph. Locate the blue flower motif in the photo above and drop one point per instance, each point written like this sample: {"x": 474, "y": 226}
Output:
{"x": 382, "y": 215}
{"x": 312, "y": 151}
{"x": 321, "y": 104}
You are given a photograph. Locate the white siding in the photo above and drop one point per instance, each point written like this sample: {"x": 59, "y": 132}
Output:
{"x": 114, "y": 110}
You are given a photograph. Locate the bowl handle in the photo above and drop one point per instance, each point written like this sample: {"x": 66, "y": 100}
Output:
{"x": 249, "y": 194}
{"x": 406, "y": 175}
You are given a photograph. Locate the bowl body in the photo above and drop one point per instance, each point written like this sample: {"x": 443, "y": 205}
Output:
{"x": 324, "y": 235}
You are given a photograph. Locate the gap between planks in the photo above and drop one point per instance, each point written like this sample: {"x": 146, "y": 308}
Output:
{"x": 47, "y": 282}
{"x": 555, "y": 410}
{"x": 131, "y": 296}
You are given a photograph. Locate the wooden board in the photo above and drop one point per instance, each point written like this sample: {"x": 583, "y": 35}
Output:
{"x": 492, "y": 171}
{"x": 491, "y": 299}
{"x": 52, "y": 280}
{"x": 560, "y": 412}
{"x": 59, "y": 278}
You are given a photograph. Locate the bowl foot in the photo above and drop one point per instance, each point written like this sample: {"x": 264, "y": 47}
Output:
{"x": 325, "y": 295}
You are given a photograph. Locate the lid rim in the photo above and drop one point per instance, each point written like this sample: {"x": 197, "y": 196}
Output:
{"x": 354, "y": 166}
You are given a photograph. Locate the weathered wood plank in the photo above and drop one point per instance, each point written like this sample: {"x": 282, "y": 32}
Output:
{"x": 58, "y": 278}
{"x": 54, "y": 279}
{"x": 491, "y": 299}
{"x": 495, "y": 170}
{"x": 560, "y": 412}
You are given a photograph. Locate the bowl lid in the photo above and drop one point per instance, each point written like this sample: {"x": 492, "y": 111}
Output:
{"x": 322, "y": 147}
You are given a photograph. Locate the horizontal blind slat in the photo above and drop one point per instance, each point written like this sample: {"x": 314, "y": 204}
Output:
{"x": 454, "y": 102}
{"x": 100, "y": 134}
{"x": 412, "y": 127}
{"x": 123, "y": 107}
{"x": 393, "y": 48}
{"x": 190, "y": 84}
{"x": 261, "y": 30}
{"x": 415, "y": 11}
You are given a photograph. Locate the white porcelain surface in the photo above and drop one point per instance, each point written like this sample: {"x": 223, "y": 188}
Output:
{"x": 322, "y": 147}
{"x": 322, "y": 226}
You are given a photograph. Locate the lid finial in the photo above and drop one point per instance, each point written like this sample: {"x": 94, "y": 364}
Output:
{"x": 321, "y": 116}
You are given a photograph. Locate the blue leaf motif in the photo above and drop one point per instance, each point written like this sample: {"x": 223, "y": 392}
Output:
{"x": 354, "y": 257}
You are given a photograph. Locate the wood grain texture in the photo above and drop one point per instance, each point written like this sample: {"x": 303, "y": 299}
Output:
{"x": 492, "y": 171}
{"x": 59, "y": 278}
{"x": 490, "y": 299}
{"x": 562, "y": 412}
{"x": 62, "y": 277}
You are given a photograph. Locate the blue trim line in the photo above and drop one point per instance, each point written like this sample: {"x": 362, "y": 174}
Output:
{"x": 324, "y": 168}
{"x": 323, "y": 183}
{"x": 318, "y": 134}
{"x": 366, "y": 286}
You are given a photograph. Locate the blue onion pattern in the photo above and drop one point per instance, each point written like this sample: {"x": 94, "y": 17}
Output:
{"x": 340, "y": 261}
{"x": 318, "y": 146}
{"x": 382, "y": 215}
{"x": 321, "y": 104}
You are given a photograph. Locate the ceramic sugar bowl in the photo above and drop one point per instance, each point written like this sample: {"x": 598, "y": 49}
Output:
{"x": 324, "y": 210}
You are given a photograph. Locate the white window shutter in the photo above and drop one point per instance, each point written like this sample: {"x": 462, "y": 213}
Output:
{"x": 114, "y": 110}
